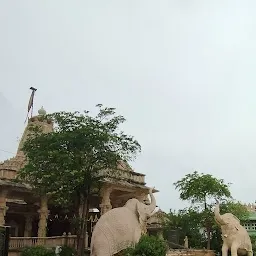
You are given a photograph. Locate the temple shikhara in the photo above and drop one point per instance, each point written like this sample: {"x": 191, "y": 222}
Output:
{"x": 35, "y": 220}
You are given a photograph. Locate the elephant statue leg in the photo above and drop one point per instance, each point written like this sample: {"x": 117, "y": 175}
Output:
{"x": 234, "y": 249}
{"x": 224, "y": 250}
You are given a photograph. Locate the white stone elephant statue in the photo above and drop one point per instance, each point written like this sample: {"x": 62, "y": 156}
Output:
{"x": 234, "y": 235}
{"x": 121, "y": 227}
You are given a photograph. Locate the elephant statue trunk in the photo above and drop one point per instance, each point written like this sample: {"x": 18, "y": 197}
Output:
{"x": 152, "y": 205}
{"x": 217, "y": 215}
{"x": 153, "y": 201}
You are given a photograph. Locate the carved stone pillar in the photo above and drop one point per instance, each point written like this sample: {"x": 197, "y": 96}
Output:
{"x": 28, "y": 226}
{"x": 43, "y": 216}
{"x": 3, "y": 207}
{"x": 160, "y": 234}
{"x": 105, "y": 205}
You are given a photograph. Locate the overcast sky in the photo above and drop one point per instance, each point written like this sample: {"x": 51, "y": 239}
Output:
{"x": 181, "y": 71}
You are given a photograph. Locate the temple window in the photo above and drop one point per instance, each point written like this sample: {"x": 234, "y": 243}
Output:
{"x": 247, "y": 226}
{"x": 253, "y": 226}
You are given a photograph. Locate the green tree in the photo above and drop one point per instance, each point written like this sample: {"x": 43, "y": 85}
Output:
{"x": 188, "y": 222}
{"x": 203, "y": 189}
{"x": 68, "y": 163}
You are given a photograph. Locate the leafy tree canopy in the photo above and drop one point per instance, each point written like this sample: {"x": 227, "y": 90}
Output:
{"x": 197, "y": 188}
{"x": 203, "y": 189}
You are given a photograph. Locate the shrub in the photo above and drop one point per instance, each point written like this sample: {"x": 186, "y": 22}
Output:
{"x": 37, "y": 251}
{"x": 148, "y": 246}
{"x": 67, "y": 251}
{"x": 253, "y": 241}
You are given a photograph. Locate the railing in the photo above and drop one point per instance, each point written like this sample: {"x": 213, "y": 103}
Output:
{"x": 22, "y": 242}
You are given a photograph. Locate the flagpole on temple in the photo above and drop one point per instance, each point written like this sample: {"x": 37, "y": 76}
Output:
{"x": 31, "y": 102}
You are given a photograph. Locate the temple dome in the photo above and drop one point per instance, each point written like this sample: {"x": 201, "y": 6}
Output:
{"x": 42, "y": 111}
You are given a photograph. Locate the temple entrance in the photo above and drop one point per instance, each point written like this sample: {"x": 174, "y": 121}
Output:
{"x": 16, "y": 222}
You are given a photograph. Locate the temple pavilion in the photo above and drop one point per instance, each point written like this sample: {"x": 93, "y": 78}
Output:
{"x": 250, "y": 222}
{"x": 30, "y": 216}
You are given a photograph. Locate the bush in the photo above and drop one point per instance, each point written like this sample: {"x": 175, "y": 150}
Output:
{"x": 253, "y": 241}
{"x": 67, "y": 251}
{"x": 37, "y": 251}
{"x": 148, "y": 246}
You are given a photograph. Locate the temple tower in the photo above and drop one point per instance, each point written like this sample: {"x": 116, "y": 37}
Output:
{"x": 10, "y": 167}
{"x": 45, "y": 124}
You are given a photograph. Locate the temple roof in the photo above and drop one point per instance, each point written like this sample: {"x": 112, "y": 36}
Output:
{"x": 123, "y": 165}
{"x": 157, "y": 218}
{"x": 14, "y": 184}
{"x": 250, "y": 207}
{"x": 14, "y": 163}
{"x": 126, "y": 183}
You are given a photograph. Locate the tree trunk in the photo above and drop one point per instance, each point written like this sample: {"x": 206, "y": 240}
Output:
{"x": 78, "y": 223}
{"x": 84, "y": 231}
{"x": 83, "y": 226}
{"x": 208, "y": 238}
{"x": 208, "y": 230}
{"x": 78, "y": 218}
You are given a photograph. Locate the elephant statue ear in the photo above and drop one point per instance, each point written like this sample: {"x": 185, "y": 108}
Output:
{"x": 142, "y": 213}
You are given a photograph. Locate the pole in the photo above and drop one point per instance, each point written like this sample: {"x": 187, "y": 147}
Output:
{"x": 31, "y": 102}
{"x": 32, "y": 99}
